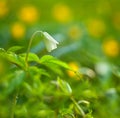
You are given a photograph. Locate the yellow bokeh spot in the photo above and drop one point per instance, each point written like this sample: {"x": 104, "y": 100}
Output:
{"x": 75, "y": 67}
{"x": 111, "y": 47}
{"x": 96, "y": 28}
{"x": 29, "y": 14}
{"x": 3, "y": 8}
{"x": 62, "y": 13}
{"x": 18, "y": 30}
{"x": 116, "y": 20}
{"x": 75, "y": 32}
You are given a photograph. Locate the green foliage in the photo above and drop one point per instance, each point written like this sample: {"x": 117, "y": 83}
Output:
{"x": 86, "y": 60}
{"x": 29, "y": 88}
{"x": 47, "y": 59}
{"x": 65, "y": 87}
{"x": 14, "y": 48}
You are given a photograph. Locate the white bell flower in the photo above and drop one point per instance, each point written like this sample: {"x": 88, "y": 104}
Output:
{"x": 50, "y": 42}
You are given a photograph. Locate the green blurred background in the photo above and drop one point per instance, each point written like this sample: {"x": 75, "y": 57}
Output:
{"x": 89, "y": 35}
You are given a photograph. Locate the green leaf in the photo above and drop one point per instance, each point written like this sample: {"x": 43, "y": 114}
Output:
{"x": 2, "y": 53}
{"x": 2, "y": 50}
{"x": 67, "y": 113}
{"x": 14, "y": 48}
{"x": 65, "y": 87}
{"x": 47, "y": 58}
{"x": 12, "y": 57}
{"x": 31, "y": 57}
{"x": 16, "y": 81}
{"x": 28, "y": 87}
{"x": 50, "y": 59}
{"x": 15, "y": 59}
{"x": 54, "y": 68}
{"x": 89, "y": 115}
{"x": 39, "y": 71}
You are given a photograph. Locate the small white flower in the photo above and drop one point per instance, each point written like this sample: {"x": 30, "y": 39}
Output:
{"x": 50, "y": 42}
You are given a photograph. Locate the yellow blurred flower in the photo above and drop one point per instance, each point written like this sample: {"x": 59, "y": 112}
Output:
{"x": 75, "y": 67}
{"x": 75, "y": 32}
{"x": 29, "y": 14}
{"x": 62, "y": 13}
{"x": 3, "y": 8}
{"x": 96, "y": 27}
{"x": 18, "y": 30}
{"x": 111, "y": 47}
{"x": 116, "y": 20}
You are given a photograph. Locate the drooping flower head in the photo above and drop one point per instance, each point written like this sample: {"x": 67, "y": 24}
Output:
{"x": 49, "y": 41}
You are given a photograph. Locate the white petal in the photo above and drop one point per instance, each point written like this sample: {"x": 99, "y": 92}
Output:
{"x": 50, "y": 37}
{"x": 50, "y": 42}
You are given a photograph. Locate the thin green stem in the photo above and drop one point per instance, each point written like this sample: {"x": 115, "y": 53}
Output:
{"x": 29, "y": 46}
{"x": 78, "y": 107}
{"x": 13, "y": 105}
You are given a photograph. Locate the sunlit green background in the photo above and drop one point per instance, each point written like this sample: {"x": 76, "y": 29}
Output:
{"x": 88, "y": 32}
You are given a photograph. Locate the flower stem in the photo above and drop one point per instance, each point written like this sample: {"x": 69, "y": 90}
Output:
{"x": 78, "y": 107}
{"x": 13, "y": 105}
{"x": 29, "y": 46}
